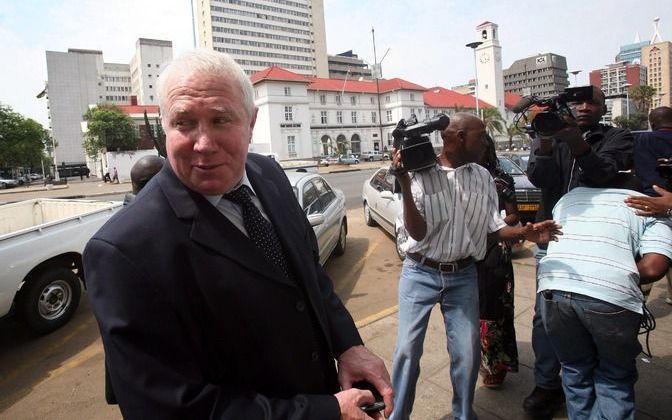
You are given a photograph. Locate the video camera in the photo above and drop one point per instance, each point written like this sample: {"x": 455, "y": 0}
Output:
{"x": 417, "y": 152}
{"x": 550, "y": 120}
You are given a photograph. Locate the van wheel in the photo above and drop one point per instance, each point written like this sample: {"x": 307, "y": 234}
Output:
{"x": 48, "y": 300}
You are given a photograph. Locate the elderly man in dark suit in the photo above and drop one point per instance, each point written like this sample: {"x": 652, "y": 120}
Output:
{"x": 208, "y": 292}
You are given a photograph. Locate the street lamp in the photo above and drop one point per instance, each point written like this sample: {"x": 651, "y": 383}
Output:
{"x": 575, "y": 72}
{"x": 378, "y": 73}
{"x": 627, "y": 99}
{"x": 473, "y": 46}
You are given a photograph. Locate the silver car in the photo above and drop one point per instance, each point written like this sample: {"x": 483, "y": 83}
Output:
{"x": 382, "y": 205}
{"x": 325, "y": 208}
{"x": 8, "y": 183}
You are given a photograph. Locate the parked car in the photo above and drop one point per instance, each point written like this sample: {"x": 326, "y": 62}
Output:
{"x": 527, "y": 195}
{"x": 325, "y": 208}
{"x": 519, "y": 158}
{"x": 328, "y": 160}
{"x": 382, "y": 205}
{"x": 348, "y": 159}
{"x": 8, "y": 183}
{"x": 375, "y": 155}
{"x": 34, "y": 176}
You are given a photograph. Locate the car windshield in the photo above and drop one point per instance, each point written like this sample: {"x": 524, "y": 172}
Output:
{"x": 509, "y": 167}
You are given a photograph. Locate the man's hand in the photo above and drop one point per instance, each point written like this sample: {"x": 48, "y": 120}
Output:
{"x": 542, "y": 232}
{"x": 651, "y": 206}
{"x": 359, "y": 364}
{"x": 350, "y": 401}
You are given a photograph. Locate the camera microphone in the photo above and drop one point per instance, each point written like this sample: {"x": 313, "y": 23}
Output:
{"x": 523, "y": 104}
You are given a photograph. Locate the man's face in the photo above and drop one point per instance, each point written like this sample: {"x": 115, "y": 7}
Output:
{"x": 475, "y": 142}
{"x": 207, "y": 132}
{"x": 589, "y": 113}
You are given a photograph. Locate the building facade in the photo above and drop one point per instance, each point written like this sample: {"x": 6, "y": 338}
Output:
{"x": 631, "y": 53}
{"x": 79, "y": 79}
{"x": 348, "y": 65}
{"x": 658, "y": 60}
{"x": 260, "y": 34}
{"x": 541, "y": 75}
{"x": 151, "y": 56}
{"x": 615, "y": 78}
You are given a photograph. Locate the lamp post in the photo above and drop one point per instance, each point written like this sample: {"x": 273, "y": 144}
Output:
{"x": 378, "y": 73}
{"x": 626, "y": 86}
{"x": 575, "y": 72}
{"x": 473, "y": 46}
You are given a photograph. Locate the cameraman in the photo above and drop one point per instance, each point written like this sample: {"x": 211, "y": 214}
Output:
{"x": 585, "y": 153}
{"x": 448, "y": 209}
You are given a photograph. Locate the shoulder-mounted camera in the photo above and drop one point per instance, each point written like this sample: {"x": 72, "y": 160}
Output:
{"x": 550, "y": 120}
{"x": 410, "y": 137}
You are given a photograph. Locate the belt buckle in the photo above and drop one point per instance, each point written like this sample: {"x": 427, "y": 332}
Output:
{"x": 450, "y": 267}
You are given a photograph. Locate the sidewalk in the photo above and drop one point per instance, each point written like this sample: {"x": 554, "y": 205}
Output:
{"x": 433, "y": 395}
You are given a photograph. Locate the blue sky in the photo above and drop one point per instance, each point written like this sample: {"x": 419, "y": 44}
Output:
{"x": 426, "y": 38}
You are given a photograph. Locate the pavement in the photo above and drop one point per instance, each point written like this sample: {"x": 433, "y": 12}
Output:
{"x": 434, "y": 393}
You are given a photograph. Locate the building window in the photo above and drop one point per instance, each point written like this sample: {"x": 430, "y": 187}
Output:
{"x": 288, "y": 113}
{"x": 291, "y": 146}
{"x": 339, "y": 117}
{"x": 150, "y": 86}
{"x": 388, "y": 115}
{"x": 256, "y": 93}
{"x": 338, "y": 99}
{"x": 353, "y": 100}
{"x": 387, "y": 99}
{"x": 412, "y": 96}
{"x": 372, "y": 100}
{"x": 353, "y": 114}
{"x": 323, "y": 99}
{"x": 374, "y": 117}
{"x": 323, "y": 117}
{"x": 288, "y": 91}
{"x": 149, "y": 65}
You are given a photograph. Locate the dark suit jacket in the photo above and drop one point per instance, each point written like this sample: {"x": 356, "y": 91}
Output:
{"x": 197, "y": 324}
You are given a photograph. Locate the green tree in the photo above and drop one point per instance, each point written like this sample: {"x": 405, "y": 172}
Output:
{"x": 158, "y": 137}
{"x": 108, "y": 129}
{"x": 342, "y": 145}
{"x": 642, "y": 96}
{"x": 637, "y": 121}
{"x": 512, "y": 130}
{"x": 494, "y": 123}
{"x": 22, "y": 140}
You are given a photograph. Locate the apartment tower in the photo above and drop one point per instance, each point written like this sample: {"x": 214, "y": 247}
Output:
{"x": 264, "y": 33}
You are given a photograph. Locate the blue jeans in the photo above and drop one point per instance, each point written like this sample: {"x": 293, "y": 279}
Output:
{"x": 420, "y": 288}
{"x": 596, "y": 343}
{"x": 546, "y": 364}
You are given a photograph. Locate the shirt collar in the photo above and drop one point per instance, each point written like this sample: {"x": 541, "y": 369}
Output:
{"x": 215, "y": 199}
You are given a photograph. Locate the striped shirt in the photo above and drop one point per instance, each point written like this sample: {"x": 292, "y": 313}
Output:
{"x": 595, "y": 256}
{"x": 460, "y": 207}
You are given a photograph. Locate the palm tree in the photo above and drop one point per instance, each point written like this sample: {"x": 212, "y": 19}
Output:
{"x": 642, "y": 96}
{"x": 512, "y": 130}
{"x": 494, "y": 123}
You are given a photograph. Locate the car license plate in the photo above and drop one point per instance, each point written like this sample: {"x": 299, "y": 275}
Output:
{"x": 528, "y": 207}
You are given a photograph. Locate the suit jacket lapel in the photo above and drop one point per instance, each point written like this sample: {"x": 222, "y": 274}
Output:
{"x": 213, "y": 230}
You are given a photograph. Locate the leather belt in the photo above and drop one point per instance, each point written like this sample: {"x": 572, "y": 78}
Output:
{"x": 444, "y": 267}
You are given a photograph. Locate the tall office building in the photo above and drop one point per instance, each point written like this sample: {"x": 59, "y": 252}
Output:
{"x": 631, "y": 53}
{"x": 264, "y": 33}
{"x": 348, "y": 65}
{"x": 541, "y": 75}
{"x": 614, "y": 78}
{"x": 79, "y": 79}
{"x": 151, "y": 56}
{"x": 658, "y": 59}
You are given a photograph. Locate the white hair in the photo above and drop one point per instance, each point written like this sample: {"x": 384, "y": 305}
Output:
{"x": 206, "y": 62}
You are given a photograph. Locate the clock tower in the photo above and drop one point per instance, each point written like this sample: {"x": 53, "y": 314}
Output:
{"x": 489, "y": 66}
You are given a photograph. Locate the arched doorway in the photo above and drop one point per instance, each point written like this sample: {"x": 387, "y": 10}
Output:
{"x": 342, "y": 144}
{"x": 356, "y": 144}
{"x": 327, "y": 146}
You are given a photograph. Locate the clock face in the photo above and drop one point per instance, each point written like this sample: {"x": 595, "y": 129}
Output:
{"x": 485, "y": 58}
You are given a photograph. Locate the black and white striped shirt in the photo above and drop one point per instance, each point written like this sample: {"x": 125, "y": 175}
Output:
{"x": 460, "y": 207}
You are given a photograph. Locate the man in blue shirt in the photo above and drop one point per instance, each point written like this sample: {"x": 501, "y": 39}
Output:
{"x": 591, "y": 299}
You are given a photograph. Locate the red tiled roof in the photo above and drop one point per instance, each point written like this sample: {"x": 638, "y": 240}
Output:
{"x": 279, "y": 74}
{"x": 139, "y": 109}
{"x": 511, "y": 99}
{"x": 364, "y": 86}
{"x": 439, "y": 97}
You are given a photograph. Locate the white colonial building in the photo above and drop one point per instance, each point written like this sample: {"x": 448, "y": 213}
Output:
{"x": 302, "y": 118}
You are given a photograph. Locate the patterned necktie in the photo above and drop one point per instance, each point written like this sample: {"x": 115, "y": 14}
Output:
{"x": 259, "y": 230}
